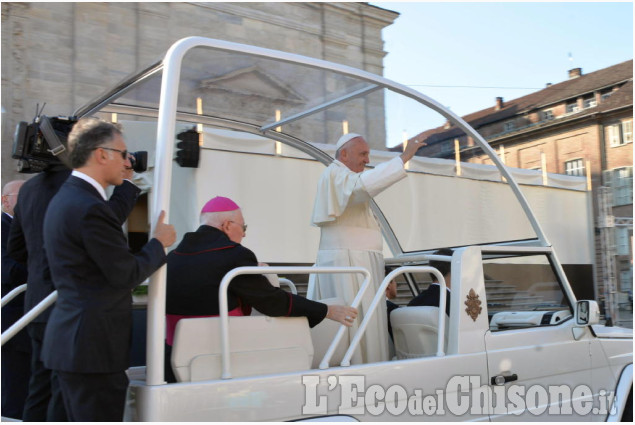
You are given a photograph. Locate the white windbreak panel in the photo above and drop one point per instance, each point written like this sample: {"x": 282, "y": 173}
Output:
{"x": 426, "y": 211}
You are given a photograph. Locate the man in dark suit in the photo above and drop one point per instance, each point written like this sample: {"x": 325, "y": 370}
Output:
{"x": 87, "y": 339}
{"x": 16, "y": 353}
{"x": 198, "y": 264}
{"x": 391, "y": 294}
{"x": 430, "y": 297}
{"x": 26, "y": 244}
{"x": 44, "y": 401}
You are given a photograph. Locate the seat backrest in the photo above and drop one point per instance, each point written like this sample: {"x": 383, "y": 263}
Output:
{"x": 259, "y": 345}
{"x": 322, "y": 335}
{"x": 415, "y": 331}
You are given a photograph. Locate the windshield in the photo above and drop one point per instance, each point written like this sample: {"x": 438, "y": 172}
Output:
{"x": 454, "y": 195}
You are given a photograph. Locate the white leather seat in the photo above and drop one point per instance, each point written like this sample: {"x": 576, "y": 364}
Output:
{"x": 415, "y": 331}
{"x": 322, "y": 335}
{"x": 258, "y": 346}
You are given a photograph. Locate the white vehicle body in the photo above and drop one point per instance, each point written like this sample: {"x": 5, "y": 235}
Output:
{"x": 517, "y": 345}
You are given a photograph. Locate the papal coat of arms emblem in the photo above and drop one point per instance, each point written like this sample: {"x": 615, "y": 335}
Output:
{"x": 473, "y": 305}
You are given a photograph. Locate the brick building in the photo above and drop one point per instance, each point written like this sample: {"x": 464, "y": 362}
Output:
{"x": 582, "y": 126}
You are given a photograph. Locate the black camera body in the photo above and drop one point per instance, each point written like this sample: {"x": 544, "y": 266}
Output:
{"x": 41, "y": 145}
{"x": 139, "y": 161}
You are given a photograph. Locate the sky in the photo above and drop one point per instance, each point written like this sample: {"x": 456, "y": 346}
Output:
{"x": 464, "y": 55}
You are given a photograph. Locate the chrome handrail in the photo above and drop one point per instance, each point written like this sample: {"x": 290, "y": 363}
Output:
{"x": 11, "y": 295}
{"x": 224, "y": 314}
{"x": 29, "y": 317}
{"x": 381, "y": 293}
{"x": 290, "y": 284}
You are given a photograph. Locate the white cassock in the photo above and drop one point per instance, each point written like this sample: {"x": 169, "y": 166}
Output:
{"x": 350, "y": 236}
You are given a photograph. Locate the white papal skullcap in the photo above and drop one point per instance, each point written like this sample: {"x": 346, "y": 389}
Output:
{"x": 346, "y": 138}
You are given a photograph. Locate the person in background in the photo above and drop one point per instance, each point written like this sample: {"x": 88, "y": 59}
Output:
{"x": 16, "y": 353}
{"x": 198, "y": 264}
{"x": 430, "y": 297}
{"x": 26, "y": 245}
{"x": 391, "y": 294}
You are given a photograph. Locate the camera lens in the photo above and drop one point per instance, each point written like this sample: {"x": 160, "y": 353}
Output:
{"x": 139, "y": 161}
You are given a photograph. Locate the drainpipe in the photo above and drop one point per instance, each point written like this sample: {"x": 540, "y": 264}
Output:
{"x": 602, "y": 151}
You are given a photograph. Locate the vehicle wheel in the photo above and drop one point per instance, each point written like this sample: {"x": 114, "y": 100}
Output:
{"x": 627, "y": 416}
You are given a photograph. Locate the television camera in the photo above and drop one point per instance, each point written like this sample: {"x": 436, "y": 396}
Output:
{"x": 41, "y": 145}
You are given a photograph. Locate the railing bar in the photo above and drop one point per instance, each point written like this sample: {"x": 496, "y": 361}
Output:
{"x": 223, "y": 308}
{"x": 290, "y": 284}
{"x": 346, "y": 360}
{"x": 14, "y": 293}
{"x": 28, "y": 318}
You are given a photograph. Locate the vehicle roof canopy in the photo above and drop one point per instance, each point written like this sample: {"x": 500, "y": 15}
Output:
{"x": 306, "y": 103}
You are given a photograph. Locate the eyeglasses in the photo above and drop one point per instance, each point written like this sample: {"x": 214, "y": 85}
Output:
{"x": 244, "y": 225}
{"x": 124, "y": 153}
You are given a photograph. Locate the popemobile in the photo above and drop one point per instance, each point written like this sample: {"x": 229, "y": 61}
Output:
{"x": 517, "y": 344}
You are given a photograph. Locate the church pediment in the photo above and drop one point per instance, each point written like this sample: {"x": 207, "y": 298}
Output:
{"x": 253, "y": 81}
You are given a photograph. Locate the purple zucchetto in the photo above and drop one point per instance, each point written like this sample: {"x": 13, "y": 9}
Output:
{"x": 219, "y": 204}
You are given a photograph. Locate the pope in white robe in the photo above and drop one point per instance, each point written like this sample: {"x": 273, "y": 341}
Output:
{"x": 350, "y": 234}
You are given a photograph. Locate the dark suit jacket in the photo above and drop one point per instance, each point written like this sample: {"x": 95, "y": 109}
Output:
{"x": 430, "y": 297}
{"x": 199, "y": 263}
{"x": 26, "y": 242}
{"x": 90, "y": 327}
{"x": 13, "y": 275}
{"x": 390, "y": 306}
{"x": 25, "y": 239}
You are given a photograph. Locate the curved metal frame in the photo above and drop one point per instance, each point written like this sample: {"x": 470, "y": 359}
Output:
{"x": 165, "y": 150}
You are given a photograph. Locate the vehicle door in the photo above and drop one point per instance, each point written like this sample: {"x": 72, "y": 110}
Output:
{"x": 537, "y": 368}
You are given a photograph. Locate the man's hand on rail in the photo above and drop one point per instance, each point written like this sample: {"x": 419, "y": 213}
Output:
{"x": 344, "y": 314}
{"x": 164, "y": 232}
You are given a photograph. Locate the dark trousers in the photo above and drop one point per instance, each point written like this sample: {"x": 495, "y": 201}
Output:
{"x": 94, "y": 397}
{"x": 44, "y": 402}
{"x": 16, "y": 369}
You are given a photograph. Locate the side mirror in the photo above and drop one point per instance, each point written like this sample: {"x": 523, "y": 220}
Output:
{"x": 587, "y": 312}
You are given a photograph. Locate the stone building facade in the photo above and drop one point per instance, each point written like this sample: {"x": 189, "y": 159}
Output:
{"x": 65, "y": 54}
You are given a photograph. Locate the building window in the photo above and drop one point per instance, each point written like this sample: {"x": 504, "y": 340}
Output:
{"x": 510, "y": 126}
{"x": 572, "y": 107}
{"x": 590, "y": 102}
{"x": 627, "y": 131}
{"x": 621, "y": 180}
{"x": 605, "y": 95}
{"x": 574, "y": 167}
{"x": 623, "y": 237}
{"x": 620, "y": 133}
{"x": 614, "y": 134}
{"x": 626, "y": 280}
{"x": 547, "y": 115}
